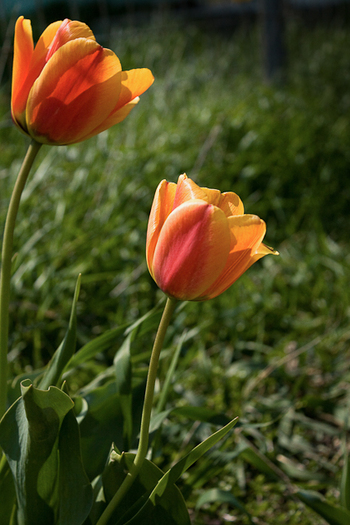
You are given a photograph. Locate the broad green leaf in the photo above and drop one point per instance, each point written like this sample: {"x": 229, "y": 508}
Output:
{"x": 170, "y": 509}
{"x": 172, "y": 475}
{"x": 123, "y": 374}
{"x": 14, "y": 388}
{"x": 221, "y": 496}
{"x": 75, "y": 491}
{"x": 66, "y": 349}
{"x": 101, "y": 426}
{"x": 7, "y": 493}
{"x": 345, "y": 482}
{"x": 29, "y": 437}
{"x": 332, "y": 514}
{"x": 103, "y": 422}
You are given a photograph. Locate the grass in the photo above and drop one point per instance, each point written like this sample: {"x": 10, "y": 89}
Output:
{"x": 274, "y": 349}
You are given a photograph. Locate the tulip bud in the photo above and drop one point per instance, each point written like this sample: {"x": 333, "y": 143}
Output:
{"x": 68, "y": 88}
{"x": 199, "y": 241}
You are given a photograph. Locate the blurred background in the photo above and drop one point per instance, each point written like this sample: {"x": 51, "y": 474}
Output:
{"x": 251, "y": 97}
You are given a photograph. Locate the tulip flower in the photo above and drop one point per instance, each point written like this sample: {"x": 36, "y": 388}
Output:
{"x": 68, "y": 88}
{"x": 199, "y": 241}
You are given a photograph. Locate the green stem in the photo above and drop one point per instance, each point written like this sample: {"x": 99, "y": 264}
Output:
{"x": 5, "y": 278}
{"x": 146, "y": 414}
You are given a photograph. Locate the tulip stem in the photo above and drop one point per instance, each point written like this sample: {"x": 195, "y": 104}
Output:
{"x": 146, "y": 414}
{"x": 5, "y": 278}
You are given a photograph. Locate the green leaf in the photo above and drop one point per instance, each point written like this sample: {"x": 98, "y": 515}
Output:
{"x": 171, "y": 476}
{"x": 66, "y": 349}
{"x": 7, "y": 493}
{"x": 345, "y": 482}
{"x": 29, "y": 437}
{"x": 332, "y": 514}
{"x": 170, "y": 508}
{"x": 221, "y": 496}
{"x": 75, "y": 491}
{"x": 122, "y": 367}
{"x": 101, "y": 426}
{"x": 123, "y": 373}
{"x": 14, "y": 388}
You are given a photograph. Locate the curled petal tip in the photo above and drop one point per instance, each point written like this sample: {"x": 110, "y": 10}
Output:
{"x": 267, "y": 250}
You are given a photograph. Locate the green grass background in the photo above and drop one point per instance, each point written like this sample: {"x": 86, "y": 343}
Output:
{"x": 273, "y": 349}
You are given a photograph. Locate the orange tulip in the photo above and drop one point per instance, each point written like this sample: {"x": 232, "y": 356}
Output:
{"x": 199, "y": 241}
{"x": 68, "y": 88}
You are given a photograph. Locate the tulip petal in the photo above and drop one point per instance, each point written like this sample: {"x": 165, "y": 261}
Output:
{"x": 231, "y": 204}
{"x": 27, "y": 67}
{"x": 212, "y": 196}
{"x": 192, "y": 249}
{"x": 23, "y": 52}
{"x": 161, "y": 208}
{"x": 186, "y": 190}
{"x": 67, "y": 31}
{"x": 247, "y": 232}
{"x": 75, "y": 92}
{"x": 134, "y": 83}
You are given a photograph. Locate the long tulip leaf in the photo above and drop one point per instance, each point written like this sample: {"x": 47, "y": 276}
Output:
{"x": 123, "y": 374}
{"x": 172, "y": 475}
{"x": 66, "y": 349}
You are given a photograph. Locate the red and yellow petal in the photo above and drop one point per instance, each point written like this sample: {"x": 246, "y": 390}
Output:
{"x": 75, "y": 92}
{"x": 231, "y": 204}
{"x": 67, "y": 31}
{"x": 110, "y": 121}
{"x": 161, "y": 208}
{"x": 32, "y": 66}
{"x": 143, "y": 79}
{"x": 23, "y": 52}
{"x": 43, "y": 45}
{"x": 187, "y": 190}
{"x": 247, "y": 232}
{"x": 212, "y": 196}
{"x": 134, "y": 83}
{"x": 192, "y": 249}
